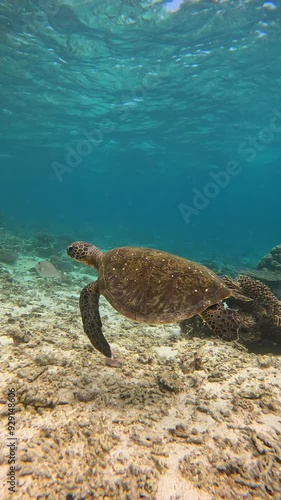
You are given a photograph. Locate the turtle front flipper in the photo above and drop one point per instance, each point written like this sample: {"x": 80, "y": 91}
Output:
{"x": 89, "y": 307}
{"x": 222, "y": 321}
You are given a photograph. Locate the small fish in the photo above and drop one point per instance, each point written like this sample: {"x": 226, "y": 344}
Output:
{"x": 48, "y": 270}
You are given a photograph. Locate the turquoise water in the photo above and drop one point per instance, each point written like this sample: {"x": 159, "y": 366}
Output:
{"x": 143, "y": 123}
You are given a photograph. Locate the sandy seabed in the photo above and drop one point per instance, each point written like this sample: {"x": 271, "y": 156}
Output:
{"x": 176, "y": 419}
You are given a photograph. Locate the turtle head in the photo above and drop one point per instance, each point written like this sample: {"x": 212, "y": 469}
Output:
{"x": 84, "y": 253}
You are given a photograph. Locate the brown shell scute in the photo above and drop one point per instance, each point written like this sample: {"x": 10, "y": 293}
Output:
{"x": 154, "y": 286}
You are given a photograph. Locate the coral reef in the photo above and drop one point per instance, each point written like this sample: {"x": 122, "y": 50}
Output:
{"x": 271, "y": 261}
{"x": 265, "y": 307}
{"x": 271, "y": 277}
{"x": 264, "y": 301}
{"x": 169, "y": 417}
{"x": 8, "y": 255}
{"x": 268, "y": 270}
{"x": 260, "y": 319}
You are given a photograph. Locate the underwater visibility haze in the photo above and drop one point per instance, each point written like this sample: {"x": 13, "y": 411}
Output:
{"x": 116, "y": 116}
{"x": 140, "y": 123}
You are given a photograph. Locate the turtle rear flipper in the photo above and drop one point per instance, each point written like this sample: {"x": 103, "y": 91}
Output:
{"x": 89, "y": 307}
{"x": 222, "y": 321}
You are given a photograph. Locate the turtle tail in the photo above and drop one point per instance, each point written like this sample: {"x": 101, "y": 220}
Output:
{"x": 222, "y": 321}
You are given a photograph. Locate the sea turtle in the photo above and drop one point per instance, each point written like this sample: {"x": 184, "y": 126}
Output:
{"x": 151, "y": 286}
